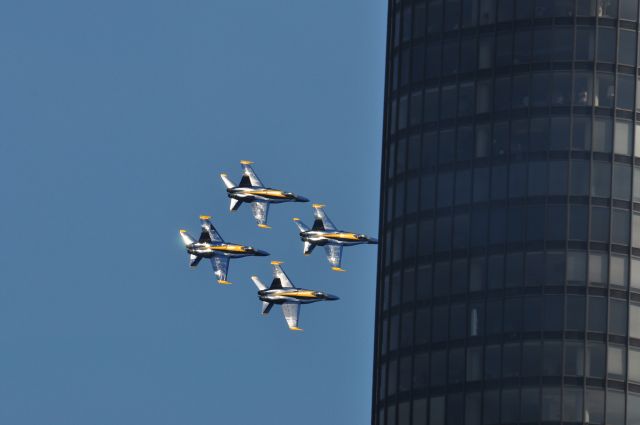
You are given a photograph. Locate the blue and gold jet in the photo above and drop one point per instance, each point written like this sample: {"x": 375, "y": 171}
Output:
{"x": 252, "y": 191}
{"x": 212, "y": 246}
{"x": 284, "y": 293}
{"x": 324, "y": 233}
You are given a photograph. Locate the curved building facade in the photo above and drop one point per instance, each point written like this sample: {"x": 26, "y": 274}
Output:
{"x": 509, "y": 269}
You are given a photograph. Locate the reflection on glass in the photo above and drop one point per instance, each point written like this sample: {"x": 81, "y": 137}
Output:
{"x": 605, "y": 90}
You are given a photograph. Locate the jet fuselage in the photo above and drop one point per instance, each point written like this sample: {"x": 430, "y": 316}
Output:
{"x": 208, "y": 250}
{"x": 335, "y": 237}
{"x": 294, "y": 296}
{"x": 263, "y": 194}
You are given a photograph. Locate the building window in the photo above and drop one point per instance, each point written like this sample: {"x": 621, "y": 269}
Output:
{"x": 621, "y": 181}
{"x": 633, "y": 406}
{"x": 634, "y": 365}
{"x": 597, "y": 314}
{"x": 626, "y": 91}
{"x": 602, "y": 134}
{"x": 551, "y": 404}
{"x": 491, "y": 407}
{"x": 618, "y": 317}
{"x": 585, "y": 44}
{"x": 605, "y": 90}
{"x": 607, "y": 8}
{"x": 574, "y": 358}
{"x": 617, "y": 362}
{"x": 573, "y": 404}
{"x": 576, "y": 267}
{"x": 598, "y": 268}
{"x": 619, "y": 270}
{"x": 616, "y": 408}
{"x": 634, "y": 320}
{"x": 530, "y": 406}
{"x": 627, "y": 47}
{"x": 436, "y": 410}
{"x": 596, "y": 355}
{"x": 620, "y": 227}
{"x": 594, "y": 409}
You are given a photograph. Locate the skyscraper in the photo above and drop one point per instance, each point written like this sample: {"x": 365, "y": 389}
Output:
{"x": 509, "y": 269}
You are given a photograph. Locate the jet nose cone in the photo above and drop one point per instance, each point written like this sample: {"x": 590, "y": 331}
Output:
{"x": 332, "y": 297}
{"x": 261, "y": 253}
{"x": 373, "y": 240}
{"x": 301, "y": 199}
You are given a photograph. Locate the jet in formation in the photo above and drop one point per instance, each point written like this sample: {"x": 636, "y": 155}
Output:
{"x": 284, "y": 293}
{"x": 252, "y": 191}
{"x": 212, "y": 246}
{"x": 324, "y": 233}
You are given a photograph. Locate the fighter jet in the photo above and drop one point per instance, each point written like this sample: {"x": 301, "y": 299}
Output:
{"x": 212, "y": 246}
{"x": 252, "y": 191}
{"x": 324, "y": 233}
{"x": 284, "y": 293}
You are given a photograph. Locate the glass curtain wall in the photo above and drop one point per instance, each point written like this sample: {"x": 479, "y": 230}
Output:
{"x": 509, "y": 268}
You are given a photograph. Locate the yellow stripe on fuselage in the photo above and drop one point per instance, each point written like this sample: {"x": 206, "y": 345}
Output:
{"x": 267, "y": 192}
{"x": 350, "y": 236}
{"x": 228, "y": 248}
{"x": 301, "y": 294}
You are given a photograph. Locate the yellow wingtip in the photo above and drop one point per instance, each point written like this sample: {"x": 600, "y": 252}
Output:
{"x": 224, "y": 282}
{"x": 318, "y": 205}
{"x": 275, "y": 263}
{"x": 205, "y": 217}
{"x": 295, "y": 328}
{"x": 264, "y": 226}
{"x": 183, "y": 231}
{"x": 338, "y": 269}
{"x": 223, "y": 174}
{"x": 296, "y": 219}
{"x": 245, "y": 162}
{"x": 307, "y": 254}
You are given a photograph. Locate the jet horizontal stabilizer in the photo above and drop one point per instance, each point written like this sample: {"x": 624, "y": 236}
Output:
{"x": 301, "y": 226}
{"x": 266, "y": 307}
{"x": 227, "y": 182}
{"x": 194, "y": 260}
{"x": 256, "y": 280}
{"x": 234, "y": 204}
{"x": 308, "y": 247}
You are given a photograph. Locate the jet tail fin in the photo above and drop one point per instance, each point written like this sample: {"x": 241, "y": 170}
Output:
{"x": 256, "y": 280}
{"x": 303, "y": 227}
{"x": 227, "y": 182}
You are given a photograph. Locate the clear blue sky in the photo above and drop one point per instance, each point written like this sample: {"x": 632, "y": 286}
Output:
{"x": 116, "y": 118}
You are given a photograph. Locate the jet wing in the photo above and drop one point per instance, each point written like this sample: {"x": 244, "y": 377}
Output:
{"x": 260, "y": 212}
{"x": 322, "y": 216}
{"x": 278, "y": 273}
{"x": 248, "y": 171}
{"x": 334, "y": 255}
{"x": 220, "y": 266}
{"x": 209, "y": 233}
{"x": 291, "y": 313}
